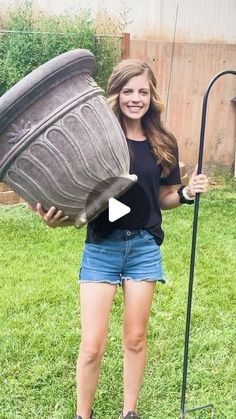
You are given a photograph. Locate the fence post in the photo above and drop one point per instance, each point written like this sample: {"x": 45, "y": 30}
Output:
{"x": 125, "y": 46}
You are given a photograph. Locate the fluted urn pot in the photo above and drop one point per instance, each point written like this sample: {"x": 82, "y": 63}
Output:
{"x": 60, "y": 144}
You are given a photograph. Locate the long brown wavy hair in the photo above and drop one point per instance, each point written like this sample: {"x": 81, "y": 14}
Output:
{"x": 163, "y": 143}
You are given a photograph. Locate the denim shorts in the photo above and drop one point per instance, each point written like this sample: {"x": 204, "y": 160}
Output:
{"x": 124, "y": 255}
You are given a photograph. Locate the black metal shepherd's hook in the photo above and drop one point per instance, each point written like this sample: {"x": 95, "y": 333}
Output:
{"x": 183, "y": 411}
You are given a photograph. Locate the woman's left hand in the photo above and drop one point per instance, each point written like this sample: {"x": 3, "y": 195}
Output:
{"x": 197, "y": 184}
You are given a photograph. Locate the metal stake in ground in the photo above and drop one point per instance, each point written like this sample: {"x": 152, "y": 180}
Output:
{"x": 210, "y": 406}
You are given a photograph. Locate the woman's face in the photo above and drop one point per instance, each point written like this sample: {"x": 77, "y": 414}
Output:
{"x": 134, "y": 97}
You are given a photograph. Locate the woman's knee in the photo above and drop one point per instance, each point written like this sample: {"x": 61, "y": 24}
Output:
{"x": 91, "y": 352}
{"x": 134, "y": 342}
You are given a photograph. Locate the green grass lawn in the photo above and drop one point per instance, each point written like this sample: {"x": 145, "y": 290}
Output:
{"x": 40, "y": 324}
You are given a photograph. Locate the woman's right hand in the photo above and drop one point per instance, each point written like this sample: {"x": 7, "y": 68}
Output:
{"x": 53, "y": 217}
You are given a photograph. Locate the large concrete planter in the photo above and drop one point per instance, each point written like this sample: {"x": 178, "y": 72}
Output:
{"x": 60, "y": 144}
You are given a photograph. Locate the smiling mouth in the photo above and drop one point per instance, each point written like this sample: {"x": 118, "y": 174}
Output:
{"x": 134, "y": 108}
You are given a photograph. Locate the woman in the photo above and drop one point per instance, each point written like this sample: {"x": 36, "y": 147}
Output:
{"x": 127, "y": 252}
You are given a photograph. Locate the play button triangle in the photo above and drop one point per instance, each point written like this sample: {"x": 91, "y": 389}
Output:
{"x": 116, "y": 210}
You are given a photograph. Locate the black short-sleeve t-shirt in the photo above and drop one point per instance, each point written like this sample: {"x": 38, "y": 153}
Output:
{"x": 142, "y": 197}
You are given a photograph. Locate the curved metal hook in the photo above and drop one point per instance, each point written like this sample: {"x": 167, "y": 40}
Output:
{"x": 193, "y": 250}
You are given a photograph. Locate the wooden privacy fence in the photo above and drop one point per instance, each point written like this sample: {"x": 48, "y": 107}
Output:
{"x": 183, "y": 71}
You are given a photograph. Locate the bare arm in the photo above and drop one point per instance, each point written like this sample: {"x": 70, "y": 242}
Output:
{"x": 169, "y": 198}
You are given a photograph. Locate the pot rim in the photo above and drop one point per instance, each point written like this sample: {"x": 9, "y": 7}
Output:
{"x": 27, "y": 91}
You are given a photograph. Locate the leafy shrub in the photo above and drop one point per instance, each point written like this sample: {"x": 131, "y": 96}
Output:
{"x": 36, "y": 39}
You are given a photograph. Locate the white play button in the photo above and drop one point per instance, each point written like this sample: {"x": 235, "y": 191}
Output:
{"x": 116, "y": 210}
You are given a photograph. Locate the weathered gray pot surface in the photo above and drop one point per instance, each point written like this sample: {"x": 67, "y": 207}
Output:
{"x": 60, "y": 144}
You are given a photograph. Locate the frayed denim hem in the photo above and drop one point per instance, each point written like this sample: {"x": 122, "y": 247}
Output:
{"x": 124, "y": 278}
{"x": 102, "y": 281}
{"x": 128, "y": 278}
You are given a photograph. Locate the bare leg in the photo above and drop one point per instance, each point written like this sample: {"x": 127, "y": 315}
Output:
{"x": 137, "y": 303}
{"x": 95, "y": 304}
